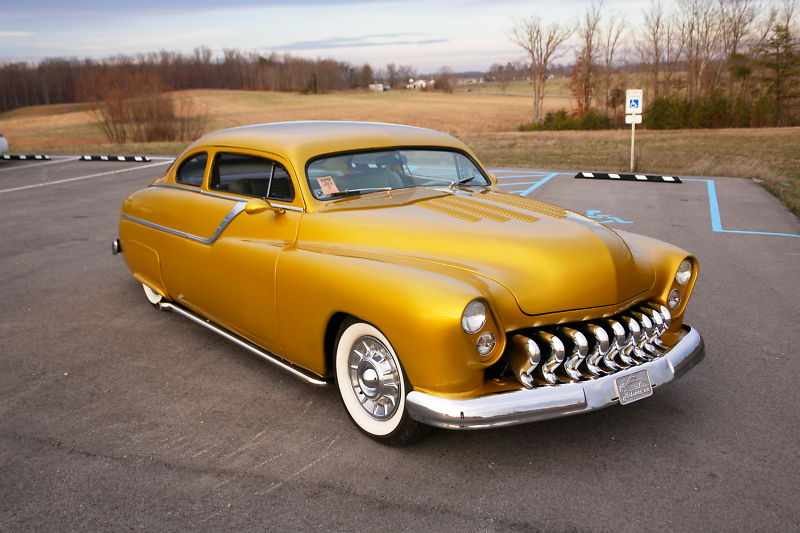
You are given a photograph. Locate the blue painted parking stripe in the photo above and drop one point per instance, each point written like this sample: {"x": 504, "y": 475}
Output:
{"x": 538, "y": 184}
{"x": 713, "y": 205}
{"x": 531, "y": 175}
{"x": 518, "y": 183}
{"x": 716, "y": 219}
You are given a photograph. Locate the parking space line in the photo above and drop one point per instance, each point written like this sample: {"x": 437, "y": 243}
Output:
{"x": 38, "y": 164}
{"x": 538, "y": 184}
{"x": 546, "y": 176}
{"x": 78, "y": 178}
{"x": 716, "y": 219}
{"x": 517, "y": 183}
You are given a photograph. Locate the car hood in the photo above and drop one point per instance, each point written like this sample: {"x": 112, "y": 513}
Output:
{"x": 549, "y": 258}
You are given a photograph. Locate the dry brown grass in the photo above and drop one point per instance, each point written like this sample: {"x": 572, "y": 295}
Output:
{"x": 35, "y": 130}
{"x": 455, "y": 113}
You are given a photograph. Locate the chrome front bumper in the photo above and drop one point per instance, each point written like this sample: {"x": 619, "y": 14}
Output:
{"x": 541, "y": 403}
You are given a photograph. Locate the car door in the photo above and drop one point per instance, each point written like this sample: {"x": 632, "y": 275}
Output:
{"x": 232, "y": 280}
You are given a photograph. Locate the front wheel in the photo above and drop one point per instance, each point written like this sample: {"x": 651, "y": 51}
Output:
{"x": 372, "y": 384}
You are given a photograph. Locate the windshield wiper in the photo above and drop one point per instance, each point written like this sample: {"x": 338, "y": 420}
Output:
{"x": 459, "y": 182}
{"x": 358, "y": 191}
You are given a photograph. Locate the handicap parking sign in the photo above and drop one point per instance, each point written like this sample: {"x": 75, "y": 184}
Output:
{"x": 633, "y": 101}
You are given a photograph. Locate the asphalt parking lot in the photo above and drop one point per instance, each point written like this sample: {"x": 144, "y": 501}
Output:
{"x": 115, "y": 416}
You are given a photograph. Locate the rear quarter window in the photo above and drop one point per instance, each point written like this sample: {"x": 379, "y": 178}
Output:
{"x": 192, "y": 170}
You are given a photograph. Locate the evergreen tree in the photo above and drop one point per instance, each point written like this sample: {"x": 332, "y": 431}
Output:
{"x": 780, "y": 60}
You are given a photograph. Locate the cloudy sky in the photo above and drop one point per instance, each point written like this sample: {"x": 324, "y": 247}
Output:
{"x": 427, "y": 34}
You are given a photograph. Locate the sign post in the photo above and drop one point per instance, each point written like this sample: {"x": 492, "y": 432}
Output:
{"x": 634, "y": 102}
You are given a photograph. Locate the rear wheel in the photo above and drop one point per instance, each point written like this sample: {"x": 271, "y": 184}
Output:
{"x": 372, "y": 384}
{"x": 152, "y": 296}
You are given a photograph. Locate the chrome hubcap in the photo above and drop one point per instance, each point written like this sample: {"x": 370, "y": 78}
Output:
{"x": 374, "y": 377}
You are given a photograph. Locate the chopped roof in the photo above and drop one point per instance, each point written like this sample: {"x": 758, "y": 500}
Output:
{"x": 300, "y": 141}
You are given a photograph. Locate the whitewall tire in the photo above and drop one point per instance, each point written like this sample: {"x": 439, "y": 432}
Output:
{"x": 372, "y": 384}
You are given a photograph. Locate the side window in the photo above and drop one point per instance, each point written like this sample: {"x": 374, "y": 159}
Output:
{"x": 251, "y": 176}
{"x": 191, "y": 171}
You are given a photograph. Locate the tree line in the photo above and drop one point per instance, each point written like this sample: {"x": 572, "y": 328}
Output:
{"x": 63, "y": 80}
{"x": 702, "y": 63}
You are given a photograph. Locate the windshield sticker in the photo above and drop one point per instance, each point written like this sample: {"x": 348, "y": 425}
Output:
{"x": 328, "y": 185}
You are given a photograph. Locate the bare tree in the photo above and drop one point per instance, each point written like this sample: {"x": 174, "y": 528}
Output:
{"x": 660, "y": 45}
{"x": 443, "y": 80}
{"x": 700, "y": 34}
{"x": 405, "y": 73}
{"x": 392, "y": 76}
{"x": 650, "y": 43}
{"x": 611, "y": 34}
{"x": 583, "y": 79}
{"x": 736, "y": 19}
{"x": 502, "y": 74}
{"x": 788, "y": 12}
{"x": 364, "y": 75}
{"x": 541, "y": 42}
{"x": 671, "y": 51}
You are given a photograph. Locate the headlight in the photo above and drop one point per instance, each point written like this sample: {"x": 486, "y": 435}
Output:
{"x": 674, "y": 299}
{"x": 474, "y": 316}
{"x": 486, "y": 343}
{"x": 684, "y": 273}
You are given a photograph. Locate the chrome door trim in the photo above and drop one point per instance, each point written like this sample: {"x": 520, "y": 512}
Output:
{"x": 235, "y": 210}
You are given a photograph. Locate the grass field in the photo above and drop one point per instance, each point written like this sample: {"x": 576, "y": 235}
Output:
{"x": 486, "y": 122}
{"x": 68, "y": 127}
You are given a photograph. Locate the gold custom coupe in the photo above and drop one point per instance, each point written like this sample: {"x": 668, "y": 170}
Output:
{"x": 386, "y": 260}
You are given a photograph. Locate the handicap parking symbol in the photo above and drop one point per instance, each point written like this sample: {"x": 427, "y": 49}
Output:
{"x": 596, "y": 214}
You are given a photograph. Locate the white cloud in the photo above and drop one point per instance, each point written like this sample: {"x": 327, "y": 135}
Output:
{"x": 14, "y": 33}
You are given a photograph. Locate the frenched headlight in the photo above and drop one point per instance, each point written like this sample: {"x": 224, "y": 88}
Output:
{"x": 474, "y": 316}
{"x": 674, "y": 299}
{"x": 486, "y": 343}
{"x": 684, "y": 273}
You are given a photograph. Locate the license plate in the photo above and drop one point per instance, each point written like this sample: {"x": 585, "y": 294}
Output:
{"x": 632, "y": 387}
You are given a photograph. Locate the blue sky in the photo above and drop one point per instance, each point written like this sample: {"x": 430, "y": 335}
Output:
{"x": 427, "y": 34}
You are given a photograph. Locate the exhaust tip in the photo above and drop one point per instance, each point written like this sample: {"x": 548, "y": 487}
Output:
{"x": 116, "y": 247}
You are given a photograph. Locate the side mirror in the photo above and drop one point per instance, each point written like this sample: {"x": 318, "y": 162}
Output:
{"x": 259, "y": 206}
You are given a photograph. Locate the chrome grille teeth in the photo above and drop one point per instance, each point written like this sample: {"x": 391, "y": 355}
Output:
{"x": 665, "y": 314}
{"x": 578, "y": 350}
{"x": 661, "y": 321}
{"x": 656, "y": 317}
{"x": 609, "y": 357}
{"x": 599, "y": 347}
{"x": 624, "y": 343}
{"x": 588, "y": 350}
{"x": 547, "y": 370}
{"x": 649, "y": 334}
{"x": 524, "y": 358}
{"x": 637, "y": 339}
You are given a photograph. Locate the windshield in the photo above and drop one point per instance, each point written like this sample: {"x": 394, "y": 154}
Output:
{"x": 380, "y": 170}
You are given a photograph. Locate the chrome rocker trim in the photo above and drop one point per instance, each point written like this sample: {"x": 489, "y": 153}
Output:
{"x": 541, "y": 403}
{"x": 276, "y": 360}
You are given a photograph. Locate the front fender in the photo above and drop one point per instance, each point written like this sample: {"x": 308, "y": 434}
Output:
{"x": 665, "y": 258}
{"x": 418, "y": 309}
